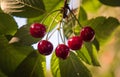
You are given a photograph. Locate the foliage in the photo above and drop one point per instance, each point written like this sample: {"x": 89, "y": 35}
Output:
{"x": 19, "y": 59}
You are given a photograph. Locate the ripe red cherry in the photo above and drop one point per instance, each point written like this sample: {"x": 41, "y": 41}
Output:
{"x": 45, "y": 47}
{"x": 88, "y": 34}
{"x": 75, "y": 43}
{"x": 37, "y": 30}
{"x": 62, "y": 51}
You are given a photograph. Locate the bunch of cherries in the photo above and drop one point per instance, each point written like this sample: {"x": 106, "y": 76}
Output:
{"x": 62, "y": 51}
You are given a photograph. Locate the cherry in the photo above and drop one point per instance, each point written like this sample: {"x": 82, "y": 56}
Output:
{"x": 88, "y": 34}
{"x": 37, "y": 30}
{"x": 75, "y": 42}
{"x": 45, "y": 47}
{"x": 62, "y": 51}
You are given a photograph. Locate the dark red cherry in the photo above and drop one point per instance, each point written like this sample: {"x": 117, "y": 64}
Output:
{"x": 62, "y": 51}
{"x": 88, "y": 34}
{"x": 45, "y": 47}
{"x": 37, "y": 30}
{"x": 75, "y": 42}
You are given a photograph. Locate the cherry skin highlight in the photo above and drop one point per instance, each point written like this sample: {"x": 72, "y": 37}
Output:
{"x": 75, "y": 42}
{"x": 37, "y": 30}
{"x": 62, "y": 51}
{"x": 45, "y": 47}
{"x": 87, "y": 34}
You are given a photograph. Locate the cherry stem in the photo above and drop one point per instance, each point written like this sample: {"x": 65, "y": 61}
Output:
{"x": 51, "y": 25}
{"x": 51, "y": 34}
{"x": 74, "y": 17}
{"x": 49, "y": 15}
{"x": 63, "y": 33}
{"x": 60, "y": 32}
{"x": 58, "y": 36}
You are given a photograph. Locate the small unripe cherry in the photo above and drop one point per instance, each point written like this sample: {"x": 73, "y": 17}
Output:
{"x": 62, "y": 51}
{"x": 37, "y": 30}
{"x": 87, "y": 34}
{"x": 75, "y": 42}
{"x": 45, "y": 47}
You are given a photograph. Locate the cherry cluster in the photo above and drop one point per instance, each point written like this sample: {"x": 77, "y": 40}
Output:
{"x": 62, "y": 51}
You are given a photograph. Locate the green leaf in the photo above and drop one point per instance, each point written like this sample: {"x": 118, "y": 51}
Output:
{"x": 55, "y": 66}
{"x": 32, "y": 66}
{"x": 24, "y": 36}
{"x": 111, "y": 2}
{"x": 23, "y": 8}
{"x": 49, "y": 19}
{"x": 0, "y": 10}
{"x": 9, "y": 37}
{"x": 91, "y": 5}
{"x": 11, "y": 56}
{"x": 117, "y": 39}
{"x": 2, "y": 74}
{"x": 8, "y": 26}
{"x": 88, "y": 53}
{"x": 68, "y": 27}
{"x": 50, "y": 6}
{"x": 53, "y": 4}
{"x": 104, "y": 27}
{"x": 73, "y": 67}
{"x": 84, "y": 55}
{"x": 92, "y": 53}
{"x": 96, "y": 44}
{"x": 82, "y": 15}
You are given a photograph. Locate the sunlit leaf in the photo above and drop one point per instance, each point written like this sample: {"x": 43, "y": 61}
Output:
{"x": 84, "y": 55}
{"x": 8, "y": 26}
{"x": 111, "y": 2}
{"x": 32, "y": 66}
{"x": 117, "y": 39}
{"x": 93, "y": 54}
{"x": 52, "y": 21}
{"x": 73, "y": 67}
{"x": 55, "y": 66}
{"x": 91, "y": 5}
{"x": 48, "y": 16}
{"x": 53, "y": 4}
{"x": 88, "y": 53}
{"x": 49, "y": 20}
{"x": 82, "y": 15}
{"x": 23, "y": 8}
